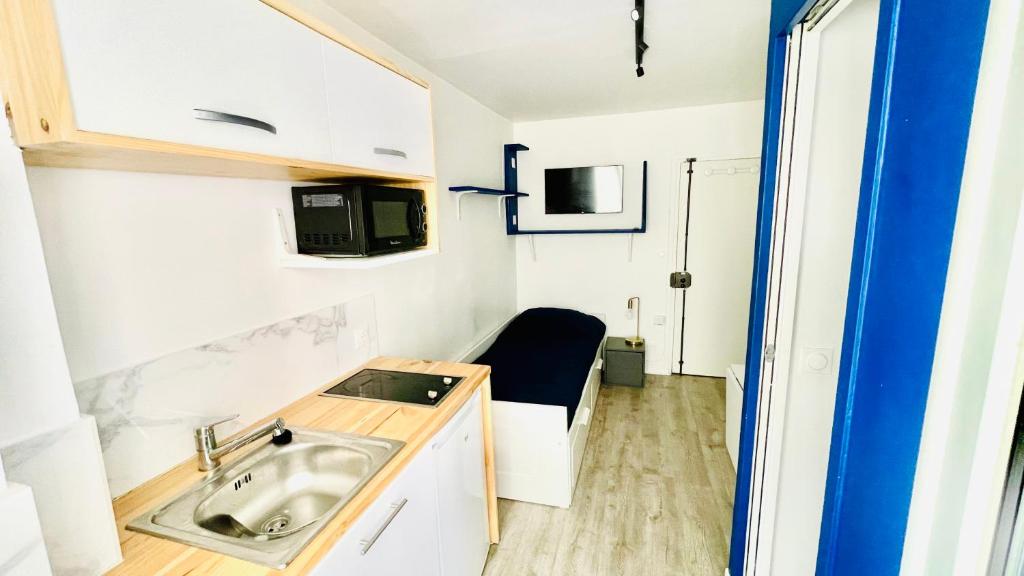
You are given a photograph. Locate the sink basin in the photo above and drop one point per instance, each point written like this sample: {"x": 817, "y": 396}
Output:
{"x": 268, "y": 505}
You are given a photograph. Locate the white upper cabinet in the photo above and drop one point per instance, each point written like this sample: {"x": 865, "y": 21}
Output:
{"x": 378, "y": 119}
{"x": 148, "y": 69}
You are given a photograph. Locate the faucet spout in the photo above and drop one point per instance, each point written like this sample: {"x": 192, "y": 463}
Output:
{"x": 209, "y": 452}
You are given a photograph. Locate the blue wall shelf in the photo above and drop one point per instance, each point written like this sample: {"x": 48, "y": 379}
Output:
{"x": 462, "y": 191}
{"x": 511, "y": 194}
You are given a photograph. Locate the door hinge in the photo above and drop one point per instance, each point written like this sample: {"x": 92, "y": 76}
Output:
{"x": 769, "y": 353}
{"x": 680, "y": 280}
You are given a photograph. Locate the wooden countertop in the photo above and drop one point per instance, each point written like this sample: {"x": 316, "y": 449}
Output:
{"x": 413, "y": 425}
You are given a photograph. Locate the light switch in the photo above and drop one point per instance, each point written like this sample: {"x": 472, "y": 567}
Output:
{"x": 659, "y": 320}
{"x": 817, "y": 360}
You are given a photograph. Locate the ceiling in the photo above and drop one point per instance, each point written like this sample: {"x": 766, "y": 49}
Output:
{"x": 540, "y": 59}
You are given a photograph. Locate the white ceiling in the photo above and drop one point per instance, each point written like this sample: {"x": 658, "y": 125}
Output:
{"x": 539, "y": 59}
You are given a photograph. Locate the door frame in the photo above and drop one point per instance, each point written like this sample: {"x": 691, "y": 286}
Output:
{"x": 910, "y": 185}
{"x": 679, "y": 210}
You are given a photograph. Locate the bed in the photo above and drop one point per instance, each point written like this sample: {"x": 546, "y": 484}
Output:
{"x": 545, "y": 375}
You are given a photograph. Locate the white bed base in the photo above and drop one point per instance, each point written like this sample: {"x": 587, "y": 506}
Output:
{"x": 536, "y": 459}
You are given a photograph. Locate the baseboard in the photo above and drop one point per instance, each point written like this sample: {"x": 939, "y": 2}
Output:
{"x": 474, "y": 351}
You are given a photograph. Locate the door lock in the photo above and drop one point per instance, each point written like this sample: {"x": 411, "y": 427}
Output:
{"x": 680, "y": 280}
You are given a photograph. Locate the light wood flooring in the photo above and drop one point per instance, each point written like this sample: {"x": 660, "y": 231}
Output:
{"x": 654, "y": 496}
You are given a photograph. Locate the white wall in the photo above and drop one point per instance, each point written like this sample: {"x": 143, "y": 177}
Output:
{"x": 35, "y": 388}
{"x": 977, "y": 374}
{"x": 148, "y": 267}
{"x": 44, "y": 443}
{"x": 592, "y": 273}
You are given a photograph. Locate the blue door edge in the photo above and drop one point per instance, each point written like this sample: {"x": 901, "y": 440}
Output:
{"x": 874, "y": 540}
{"x": 922, "y": 102}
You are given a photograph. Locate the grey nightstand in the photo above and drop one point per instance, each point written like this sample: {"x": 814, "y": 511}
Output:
{"x": 623, "y": 364}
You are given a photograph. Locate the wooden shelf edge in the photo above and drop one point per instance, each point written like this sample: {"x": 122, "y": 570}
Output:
{"x": 316, "y": 262}
{"x": 107, "y": 152}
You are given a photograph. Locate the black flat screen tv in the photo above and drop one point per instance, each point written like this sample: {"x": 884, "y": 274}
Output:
{"x": 588, "y": 190}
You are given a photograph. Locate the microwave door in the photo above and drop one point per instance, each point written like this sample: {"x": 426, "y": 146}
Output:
{"x": 389, "y": 225}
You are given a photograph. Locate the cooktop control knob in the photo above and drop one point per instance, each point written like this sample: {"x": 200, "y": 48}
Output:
{"x": 431, "y": 394}
{"x": 448, "y": 380}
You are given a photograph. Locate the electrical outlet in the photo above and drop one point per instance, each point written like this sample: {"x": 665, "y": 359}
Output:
{"x": 659, "y": 320}
{"x": 361, "y": 338}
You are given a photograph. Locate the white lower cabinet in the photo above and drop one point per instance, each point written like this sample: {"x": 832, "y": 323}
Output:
{"x": 397, "y": 534}
{"x": 432, "y": 519}
{"x": 462, "y": 493}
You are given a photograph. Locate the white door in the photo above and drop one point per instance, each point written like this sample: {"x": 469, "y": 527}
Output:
{"x": 378, "y": 119}
{"x": 461, "y": 494}
{"x": 715, "y": 244}
{"x": 829, "y": 75}
{"x": 142, "y": 69}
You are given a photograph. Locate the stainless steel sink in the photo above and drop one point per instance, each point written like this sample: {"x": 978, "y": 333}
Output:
{"x": 268, "y": 505}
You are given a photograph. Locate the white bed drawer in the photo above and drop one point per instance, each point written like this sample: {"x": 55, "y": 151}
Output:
{"x": 578, "y": 444}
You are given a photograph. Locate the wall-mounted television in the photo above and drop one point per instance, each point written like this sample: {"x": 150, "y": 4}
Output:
{"x": 588, "y": 190}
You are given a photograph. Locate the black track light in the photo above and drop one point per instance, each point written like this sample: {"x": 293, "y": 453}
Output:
{"x": 637, "y": 15}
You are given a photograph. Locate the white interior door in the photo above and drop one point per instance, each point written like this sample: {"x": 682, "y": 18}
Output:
{"x": 715, "y": 244}
{"x": 780, "y": 215}
{"x": 828, "y": 94}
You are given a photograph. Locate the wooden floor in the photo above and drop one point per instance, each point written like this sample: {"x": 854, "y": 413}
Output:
{"x": 654, "y": 497}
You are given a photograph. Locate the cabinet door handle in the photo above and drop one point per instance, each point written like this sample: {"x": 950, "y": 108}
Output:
{"x": 214, "y": 116}
{"x": 390, "y": 152}
{"x": 395, "y": 509}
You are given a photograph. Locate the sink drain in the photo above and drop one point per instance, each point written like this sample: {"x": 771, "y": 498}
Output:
{"x": 276, "y": 524}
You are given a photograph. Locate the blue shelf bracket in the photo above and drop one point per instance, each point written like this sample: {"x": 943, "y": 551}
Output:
{"x": 507, "y": 196}
{"x": 512, "y": 185}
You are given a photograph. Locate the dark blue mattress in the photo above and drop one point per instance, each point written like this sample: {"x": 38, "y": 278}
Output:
{"x": 544, "y": 356}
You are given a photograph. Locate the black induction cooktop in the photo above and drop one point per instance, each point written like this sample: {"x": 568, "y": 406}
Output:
{"x": 389, "y": 386}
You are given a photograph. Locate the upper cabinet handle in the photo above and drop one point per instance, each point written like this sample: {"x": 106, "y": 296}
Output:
{"x": 390, "y": 152}
{"x": 213, "y": 115}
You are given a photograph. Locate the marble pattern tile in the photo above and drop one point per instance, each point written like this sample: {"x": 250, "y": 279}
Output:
{"x": 22, "y": 551}
{"x": 146, "y": 413}
{"x": 66, "y": 473}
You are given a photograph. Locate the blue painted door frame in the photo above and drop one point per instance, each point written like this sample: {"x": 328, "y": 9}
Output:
{"x": 926, "y": 66}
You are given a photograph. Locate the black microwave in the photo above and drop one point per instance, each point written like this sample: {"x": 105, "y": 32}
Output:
{"x": 358, "y": 219}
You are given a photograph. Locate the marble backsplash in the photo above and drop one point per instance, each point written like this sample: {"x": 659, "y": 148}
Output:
{"x": 146, "y": 413}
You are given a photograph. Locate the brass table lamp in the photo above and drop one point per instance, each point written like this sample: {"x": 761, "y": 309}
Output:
{"x": 638, "y": 340}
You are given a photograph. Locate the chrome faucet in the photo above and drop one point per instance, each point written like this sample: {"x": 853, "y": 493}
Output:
{"x": 209, "y": 453}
